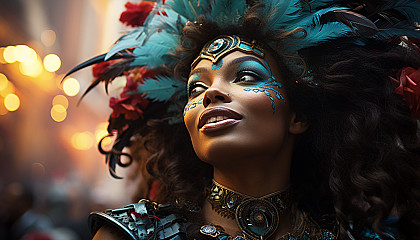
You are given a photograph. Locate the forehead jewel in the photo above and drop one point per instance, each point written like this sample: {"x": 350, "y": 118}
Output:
{"x": 223, "y": 45}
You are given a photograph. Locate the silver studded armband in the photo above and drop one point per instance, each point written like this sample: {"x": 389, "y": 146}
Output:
{"x": 141, "y": 221}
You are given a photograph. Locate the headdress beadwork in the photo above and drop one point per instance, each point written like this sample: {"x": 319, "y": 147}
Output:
{"x": 223, "y": 45}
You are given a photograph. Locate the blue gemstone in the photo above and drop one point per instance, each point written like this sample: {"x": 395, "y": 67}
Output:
{"x": 216, "y": 45}
{"x": 209, "y": 229}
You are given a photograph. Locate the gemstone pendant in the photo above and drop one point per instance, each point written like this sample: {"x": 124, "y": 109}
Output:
{"x": 257, "y": 218}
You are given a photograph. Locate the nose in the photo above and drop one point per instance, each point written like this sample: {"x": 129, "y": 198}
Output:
{"x": 214, "y": 95}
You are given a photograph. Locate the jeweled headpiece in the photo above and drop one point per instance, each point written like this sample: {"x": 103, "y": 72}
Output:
{"x": 159, "y": 24}
{"x": 223, "y": 45}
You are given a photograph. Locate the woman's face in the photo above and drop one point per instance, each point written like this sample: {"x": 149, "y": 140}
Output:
{"x": 237, "y": 108}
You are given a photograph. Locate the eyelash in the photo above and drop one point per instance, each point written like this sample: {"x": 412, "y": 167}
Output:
{"x": 245, "y": 72}
{"x": 192, "y": 86}
{"x": 241, "y": 73}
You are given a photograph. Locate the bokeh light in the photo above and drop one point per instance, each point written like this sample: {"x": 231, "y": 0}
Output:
{"x": 83, "y": 140}
{"x": 58, "y": 113}
{"x": 52, "y": 62}
{"x": 61, "y": 100}
{"x": 71, "y": 87}
{"x": 2, "y": 60}
{"x": 9, "y": 54}
{"x": 12, "y": 102}
{"x": 31, "y": 68}
{"x": 101, "y": 131}
{"x": 10, "y": 88}
{"x": 3, "y": 110}
{"x": 48, "y": 38}
{"x": 3, "y": 82}
{"x": 24, "y": 53}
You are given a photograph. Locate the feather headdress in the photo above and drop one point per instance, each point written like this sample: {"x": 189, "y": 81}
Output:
{"x": 151, "y": 46}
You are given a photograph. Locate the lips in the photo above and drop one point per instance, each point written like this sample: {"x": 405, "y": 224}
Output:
{"x": 217, "y": 118}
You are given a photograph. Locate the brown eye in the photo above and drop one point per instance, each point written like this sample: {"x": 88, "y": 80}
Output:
{"x": 195, "y": 89}
{"x": 247, "y": 77}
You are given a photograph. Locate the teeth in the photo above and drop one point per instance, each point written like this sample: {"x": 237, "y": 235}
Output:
{"x": 216, "y": 119}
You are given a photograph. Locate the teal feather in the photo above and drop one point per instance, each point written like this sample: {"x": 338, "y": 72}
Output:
{"x": 161, "y": 89}
{"x": 189, "y": 9}
{"x": 129, "y": 40}
{"x": 318, "y": 34}
{"x": 157, "y": 50}
{"x": 169, "y": 22}
{"x": 280, "y": 13}
{"x": 316, "y": 4}
{"x": 409, "y": 8}
{"x": 227, "y": 12}
{"x": 399, "y": 29}
{"x": 312, "y": 18}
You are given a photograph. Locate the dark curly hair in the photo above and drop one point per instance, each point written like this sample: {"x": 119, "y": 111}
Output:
{"x": 360, "y": 157}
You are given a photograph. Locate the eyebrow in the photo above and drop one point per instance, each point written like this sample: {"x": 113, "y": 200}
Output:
{"x": 233, "y": 62}
{"x": 244, "y": 59}
{"x": 197, "y": 70}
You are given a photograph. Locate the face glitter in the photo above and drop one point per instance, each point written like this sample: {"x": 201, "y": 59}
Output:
{"x": 270, "y": 84}
{"x": 193, "y": 78}
{"x": 191, "y": 105}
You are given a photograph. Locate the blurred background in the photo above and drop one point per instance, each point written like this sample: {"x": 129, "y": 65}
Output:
{"x": 51, "y": 173}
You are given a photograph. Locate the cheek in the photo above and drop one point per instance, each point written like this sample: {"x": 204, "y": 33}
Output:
{"x": 271, "y": 89}
{"x": 191, "y": 114}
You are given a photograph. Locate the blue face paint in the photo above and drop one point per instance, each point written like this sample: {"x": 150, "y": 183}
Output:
{"x": 217, "y": 65}
{"x": 193, "y": 78}
{"x": 257, "y": 67}
{"x": 191, "y": 105}
{"x": 267, "y": 85}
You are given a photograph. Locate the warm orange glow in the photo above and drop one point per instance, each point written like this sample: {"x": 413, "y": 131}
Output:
{"x": 71, "y": 87}
{"x": 2, "y": 60}
{"x": 52, "y": 62}
{"x": 101, "y": 131}
{"x": 9, "y": 54}
{"x": 10, "y": 88}
{"x": 3, "y": 110}
{"x": 12, "y": 102}
{"x": 31, "y": 68}
{"x": 61, "y": 100}
{"x": 82, "y": 141}
{"x": 58, "y": 113}
{"x": 24, "y": 53}
{"x": 48, "y": 38}
{"x": 3, "y": 82}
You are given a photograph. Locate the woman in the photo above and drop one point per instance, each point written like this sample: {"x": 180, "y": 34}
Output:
{"x": 299, "y": 120}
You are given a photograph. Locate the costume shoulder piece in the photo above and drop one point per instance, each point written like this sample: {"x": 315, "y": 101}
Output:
{"x": 144, "y": 220}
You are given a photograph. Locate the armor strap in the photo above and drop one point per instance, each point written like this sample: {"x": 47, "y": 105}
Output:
{"x": 141, "y": 221}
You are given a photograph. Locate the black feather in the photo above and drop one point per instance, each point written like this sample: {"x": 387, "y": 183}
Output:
{"x": 110, "y": 74}
{"x": 99, "y": 59}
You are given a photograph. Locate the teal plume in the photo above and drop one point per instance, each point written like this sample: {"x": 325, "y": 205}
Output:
{"x": 227, "y": 12}
{"x": 281, "y": 13}
{"x": 161, "y": 89}
{"x": 409, "y": 8}
{"x": 159, "y": 48}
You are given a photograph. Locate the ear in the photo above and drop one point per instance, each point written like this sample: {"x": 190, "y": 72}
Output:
{"x": 298, "y": 124}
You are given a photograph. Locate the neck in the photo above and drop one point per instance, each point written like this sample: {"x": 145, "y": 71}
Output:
{"x": 273, "y": 210}
{"x": 255, "y": 180}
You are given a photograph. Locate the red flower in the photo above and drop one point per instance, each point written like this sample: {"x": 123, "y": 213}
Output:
{"x": 134, "y": 78}
{"x": 409, "y": 88}
{"x": 132, "y": 107}
{"x": 99, "y": 68}
{"x": 131, "y": 104}
{"x": 136, "y": 13}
